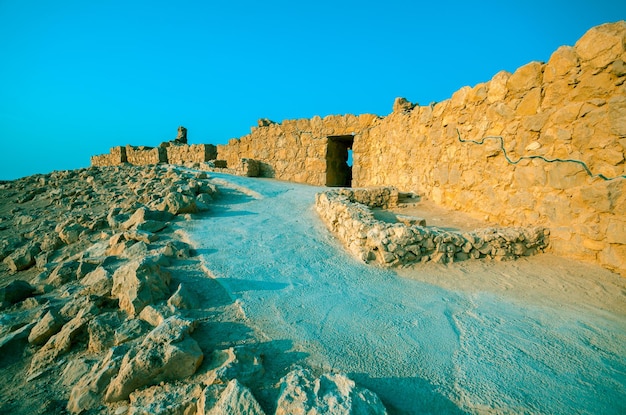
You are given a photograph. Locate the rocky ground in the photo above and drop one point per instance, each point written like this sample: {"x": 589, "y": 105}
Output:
{"x": 106, "y": 308}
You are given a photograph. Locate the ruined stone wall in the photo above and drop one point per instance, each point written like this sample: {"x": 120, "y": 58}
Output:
{"x": 294, "y": 150}
{"x": 173, "y": 153}
{"x": 195, "y": 153}
{"x": 145, "y": 155}
{"x": 116, "y": 156}
{"x": 572, "y": 107}
{"x": 347, "y": 213}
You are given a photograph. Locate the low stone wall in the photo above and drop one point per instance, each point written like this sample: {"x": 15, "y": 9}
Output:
{"x": 146, "y": 155}
{"x": 347, "y": 213}
{"x": 116, "y": 156}
{"x": 195, "y": 153}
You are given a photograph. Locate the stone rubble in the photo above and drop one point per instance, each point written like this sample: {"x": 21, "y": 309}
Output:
{"x": 97, "y": 304}
{"x": 329, "y": 394}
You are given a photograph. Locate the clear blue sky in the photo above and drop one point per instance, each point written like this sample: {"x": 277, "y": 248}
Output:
{"x": 78, "y": 77}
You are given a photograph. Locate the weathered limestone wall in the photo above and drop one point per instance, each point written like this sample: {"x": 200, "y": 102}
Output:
{"x": 572, "y": 107}
{"x": 195, "y": 153}
{"x": 173, "y": 153}
{"x": 116, "y": 156}
{"x": 145, "y": 155}
{"x": 295, "y": 150}
{"x": 347, "y": 213}
{"x": 455, "y": 152}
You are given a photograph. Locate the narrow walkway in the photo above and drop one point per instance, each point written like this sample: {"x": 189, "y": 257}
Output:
{"x": 422, "y": 347}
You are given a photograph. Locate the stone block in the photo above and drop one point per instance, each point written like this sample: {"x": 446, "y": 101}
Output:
{"x": 526, "y": 78}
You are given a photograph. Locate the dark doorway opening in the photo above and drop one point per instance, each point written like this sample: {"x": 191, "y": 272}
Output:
{"x": 339, "y": 161}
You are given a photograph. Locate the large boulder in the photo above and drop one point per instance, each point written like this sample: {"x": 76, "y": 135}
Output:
{"x": 139, "y": 283}
{"x": 330, "y": 394}
{"x": 167, "y": 353}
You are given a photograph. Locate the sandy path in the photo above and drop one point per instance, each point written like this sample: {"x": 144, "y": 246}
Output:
{"x": 543, "y": 335}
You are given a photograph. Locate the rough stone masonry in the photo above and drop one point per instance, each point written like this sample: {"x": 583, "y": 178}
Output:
{"x": 533, "y": 147}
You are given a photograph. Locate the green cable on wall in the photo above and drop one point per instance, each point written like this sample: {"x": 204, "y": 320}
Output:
{"x": 508, "y": 159}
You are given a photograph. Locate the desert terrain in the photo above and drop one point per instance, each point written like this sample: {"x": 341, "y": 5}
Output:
{"x": 162, "y": 289}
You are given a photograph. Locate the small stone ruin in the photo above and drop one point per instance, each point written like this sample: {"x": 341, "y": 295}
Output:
{"x": 348, "y": 214}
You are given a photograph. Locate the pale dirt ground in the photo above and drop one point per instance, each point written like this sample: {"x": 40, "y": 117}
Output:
{"x": 538, "y": 335}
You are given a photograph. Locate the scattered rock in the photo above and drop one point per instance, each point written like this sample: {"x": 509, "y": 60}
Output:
{"x": 139, "y": 283}
{"x": 167, "y": 353}
{"x": 176, "y": 249}
{"x": 16, "y": 335}
{"x": 15, "y": 292}
{"x": 76, "y": 369}
{"x": 334, "y": 394}
{"x": 46, "y": 327}
{"x": 141, "y": 236}
{"x": 130, "y": 330}
{"x": 147, "y": 220}
{"x": 166, "y": 399}
{"x": 64, "y": 273}
{"x": 98, "y": 282}
{"x": 155, "y": 314}
{"x": 235, "y": 399}
{"x": 87, "y": 393}
{"x": 8, "y": 245}
{"x": 69, "y": 232}
{"x": 101, "y": 331}
{"x": 23, "y": 257}
{"x": 177, "y": 203}
{"x": 238, "y": 362}
{"x": 50, "y": 241}
{"x": 183, "y": 298}
{"x": 60, "y": 343}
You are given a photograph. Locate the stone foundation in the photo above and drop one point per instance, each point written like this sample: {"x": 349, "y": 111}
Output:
{"x": 347, "y": 213}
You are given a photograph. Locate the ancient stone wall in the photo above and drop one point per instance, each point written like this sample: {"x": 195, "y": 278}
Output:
{"x": 116, "y": 156}
{"x": 173, "y": 153}
{"x": 145, "y": 155}
{"x": 295, "y": 150}
{"x": 347, "y": 213}
{"x": 535, "y": 147}
{"x": 195, "y": 153}
{"x": 572, "y": 107}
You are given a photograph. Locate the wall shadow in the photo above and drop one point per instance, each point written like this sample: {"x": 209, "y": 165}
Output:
{"x": 422, "y": 399}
